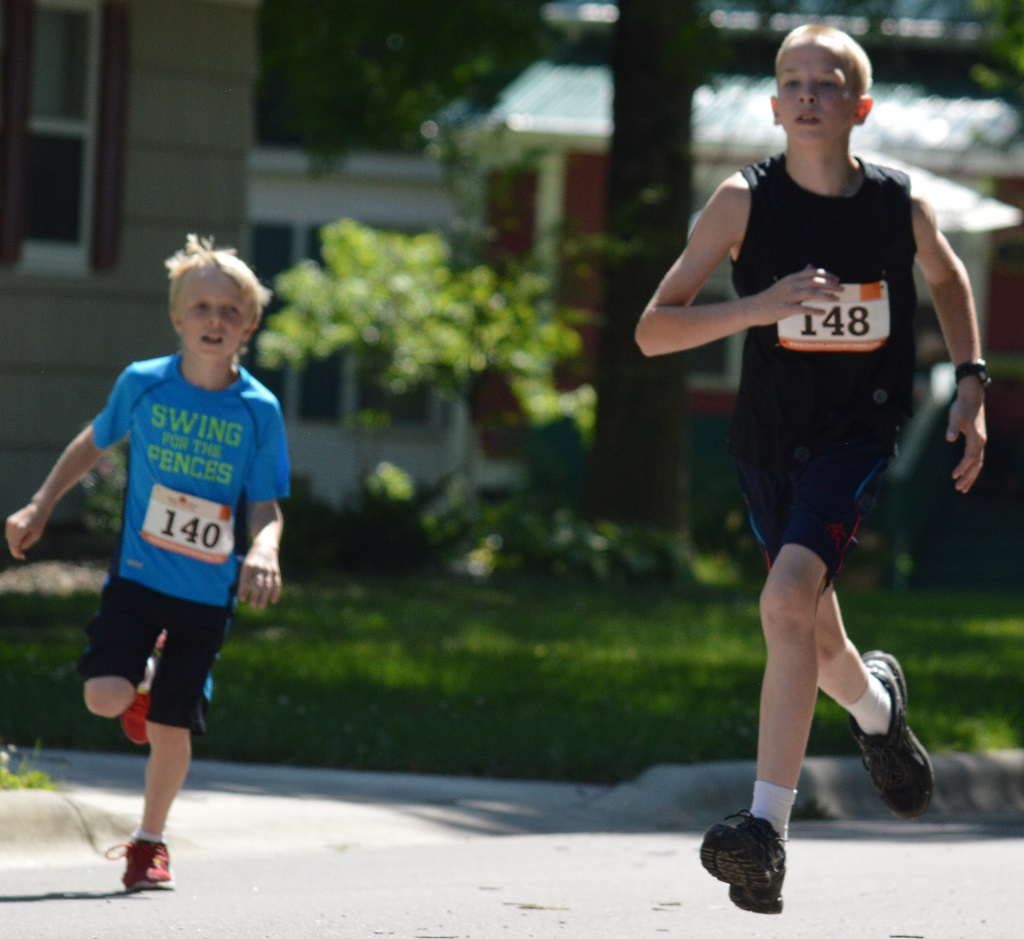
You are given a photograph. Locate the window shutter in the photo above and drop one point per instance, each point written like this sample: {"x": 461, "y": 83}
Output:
{"x": 110, "y": 144}
{"x": 15, "y": 147}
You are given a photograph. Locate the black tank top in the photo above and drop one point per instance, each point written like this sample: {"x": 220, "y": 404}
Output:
{"x": 792, "y": 404}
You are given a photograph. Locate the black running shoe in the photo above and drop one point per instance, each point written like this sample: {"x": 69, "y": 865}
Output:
{"x": 899, "y": 766}
{"x": 747, "y": 853}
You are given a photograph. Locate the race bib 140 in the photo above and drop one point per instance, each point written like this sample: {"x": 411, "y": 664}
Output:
{"x": 184, "y": 524}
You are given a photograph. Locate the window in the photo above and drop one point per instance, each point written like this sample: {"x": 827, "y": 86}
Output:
{"x": 270, "y": 253}
{"x": 61, "y": 132}
{"x": 315, "y": 393}
{"x": 64, "y": 103}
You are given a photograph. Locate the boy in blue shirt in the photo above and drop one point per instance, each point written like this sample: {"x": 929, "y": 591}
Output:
{"x": 823, "y": 247}
{"x": 207, "y": 458}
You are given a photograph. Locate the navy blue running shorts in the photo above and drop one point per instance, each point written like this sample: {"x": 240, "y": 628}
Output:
{"x": 818, "y": 504}
{"x": 121, "y": 638}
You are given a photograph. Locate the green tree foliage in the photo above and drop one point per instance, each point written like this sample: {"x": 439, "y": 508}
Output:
{"x": 413, "y": 317}
{"x": 1004, "y": 68}
{"x": 351, "y": 73}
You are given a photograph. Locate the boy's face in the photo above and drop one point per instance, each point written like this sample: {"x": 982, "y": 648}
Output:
{"x": 211, "y": 315}
{"x": 816, "y": 95}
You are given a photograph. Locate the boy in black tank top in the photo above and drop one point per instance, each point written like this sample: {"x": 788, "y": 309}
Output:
{"x": 823, "y": 248}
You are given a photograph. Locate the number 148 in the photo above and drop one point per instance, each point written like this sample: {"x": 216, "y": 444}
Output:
{"x": 840, "y": 321}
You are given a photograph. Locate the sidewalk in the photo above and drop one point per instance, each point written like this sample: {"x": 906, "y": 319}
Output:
{"x": 233, "y": 809}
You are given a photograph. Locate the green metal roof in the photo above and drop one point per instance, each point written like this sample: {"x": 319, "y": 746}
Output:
{"x": 556, "y": 100}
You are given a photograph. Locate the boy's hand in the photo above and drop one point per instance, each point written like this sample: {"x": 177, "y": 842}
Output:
{"x": 967, "y": 417}
{"x": 259, "y": 582}
{"x": 787, "y": 296}
{"x": 24, "y": 528}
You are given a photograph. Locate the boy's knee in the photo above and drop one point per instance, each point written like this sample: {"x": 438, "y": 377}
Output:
{"x": 108, "y": 695}
{"x": 787, "y": 607}
{"x": 793, "y": 590}
{"x": 164, "y": 738}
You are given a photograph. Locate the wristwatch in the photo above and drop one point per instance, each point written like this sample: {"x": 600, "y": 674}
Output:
{"x": 977, "y": 367}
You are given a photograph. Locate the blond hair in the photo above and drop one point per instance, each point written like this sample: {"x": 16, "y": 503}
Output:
{"x": 199, "y": 253}
{"x": 858, "y": 65}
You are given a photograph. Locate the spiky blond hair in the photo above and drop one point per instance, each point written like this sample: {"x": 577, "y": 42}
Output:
{"x": 199, "y": 253}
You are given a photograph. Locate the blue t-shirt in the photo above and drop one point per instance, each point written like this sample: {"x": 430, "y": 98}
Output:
{"x": 195, "y": 458}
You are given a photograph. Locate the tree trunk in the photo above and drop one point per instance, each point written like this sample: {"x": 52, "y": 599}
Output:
{"x": 639, "y": 471}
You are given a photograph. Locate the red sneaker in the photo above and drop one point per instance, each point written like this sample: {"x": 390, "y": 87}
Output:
{"x": 149, "y": 865}
{"x": 133, "y": 719}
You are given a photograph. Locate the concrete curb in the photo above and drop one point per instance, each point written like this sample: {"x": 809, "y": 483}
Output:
{"x": 42, "y": 823}
{"x": 226, "y": 807}
{"x": 688, "y": 797}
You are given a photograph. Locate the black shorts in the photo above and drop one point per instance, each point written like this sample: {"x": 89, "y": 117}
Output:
{"x": 818, "y": 504}
{"x": 122, "y": 635}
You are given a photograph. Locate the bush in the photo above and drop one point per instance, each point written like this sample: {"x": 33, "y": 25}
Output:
{"x": 391, "y": 526}
{"x": 394, "y": 525}
{"x": 511, "y": 537}
{"x": 310, "y": 533}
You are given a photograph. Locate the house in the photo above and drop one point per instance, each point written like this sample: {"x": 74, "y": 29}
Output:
{"x": 124, "y": 125}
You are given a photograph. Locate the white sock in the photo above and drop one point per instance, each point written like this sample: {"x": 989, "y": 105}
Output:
{"x": 774, "y": 804}
{"x": 873, "y": 710}
{"x": 141, "y": 835}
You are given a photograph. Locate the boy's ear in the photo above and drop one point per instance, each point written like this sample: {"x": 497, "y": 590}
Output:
{"x": 775, "y": 110}
{"x": 863, "y": 108}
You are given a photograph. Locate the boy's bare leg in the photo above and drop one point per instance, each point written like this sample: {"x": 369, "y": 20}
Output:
{"x": 746, "y": 850}
{"x": 789, "y": 607}
{"x": 842, "y": 674}
{"x": 170, "y": 756}
{"x": 170, "y": 753}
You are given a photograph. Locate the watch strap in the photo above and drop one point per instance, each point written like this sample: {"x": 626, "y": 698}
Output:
{"x": 977, "y": 367}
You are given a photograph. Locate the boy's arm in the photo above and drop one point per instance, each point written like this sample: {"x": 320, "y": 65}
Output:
{"x": 259, "y": 581}
{"x": 671, "y": 323}
{"x": 950, "y": 290}
{"x": 25, "y": 527}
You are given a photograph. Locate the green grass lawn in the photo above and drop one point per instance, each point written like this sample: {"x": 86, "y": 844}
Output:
{"x": 529, "y": 678}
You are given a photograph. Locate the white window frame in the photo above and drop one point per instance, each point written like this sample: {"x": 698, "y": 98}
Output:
{"x": 73, "y": 258}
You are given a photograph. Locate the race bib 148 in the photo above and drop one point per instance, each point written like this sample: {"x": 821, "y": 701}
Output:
{"x": 858, "y": 321}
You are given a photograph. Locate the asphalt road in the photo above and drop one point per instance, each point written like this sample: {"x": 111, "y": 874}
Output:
{"x": 845, "y": 881}
{"x": 284, "y": 853}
